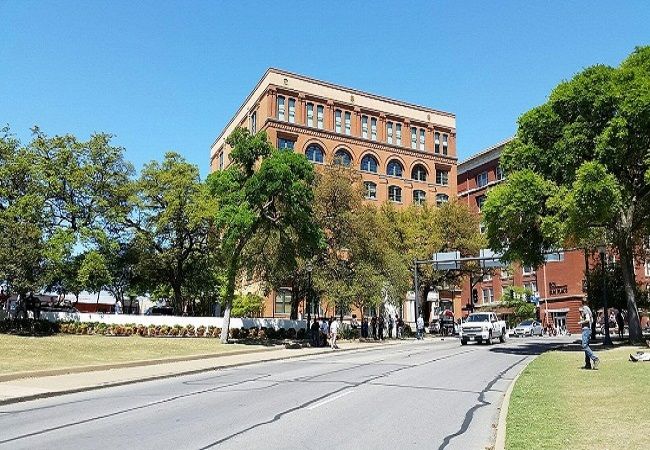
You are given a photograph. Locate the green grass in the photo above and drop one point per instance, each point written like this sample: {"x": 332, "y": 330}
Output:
{"x": 63, "y": 351}
{"x": 556, "y": 405}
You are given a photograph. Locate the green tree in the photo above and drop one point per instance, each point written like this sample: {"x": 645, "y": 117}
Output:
{"x": 174, "y": 219}
{"x": 248, "y": 305}
{"x": 517, "y": 300}
{"x": 579, "y": 168}
{"x": 263, "y": 191}
{"x": 94, "y": 275}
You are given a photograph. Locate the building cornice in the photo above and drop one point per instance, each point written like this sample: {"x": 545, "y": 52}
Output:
{"x": 482, "y": 157}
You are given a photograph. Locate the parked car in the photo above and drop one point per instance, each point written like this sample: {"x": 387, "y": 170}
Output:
{"x": 481, "y": 327}
{"x": 159, "y": 311}
{"x": 528, "y": 327}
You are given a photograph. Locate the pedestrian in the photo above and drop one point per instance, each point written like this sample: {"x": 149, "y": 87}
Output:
{"x": 373, "y": 326}
{"x": 334, "y": 331}
{"x": 420, "y": 327}
{"x": 118, "y": 307}
{"x": 380, "y": 326}
{"x": 364, "y": 328}
{"x": 390, "y": 326}
{"x": 586, "y": 319}
{"x": 354, "y": 325}
{"x": 400, "y": 327}
{"x": 620, "y": 323}
{"x": 324, "y": 331}
{"x": 315, "y": 331}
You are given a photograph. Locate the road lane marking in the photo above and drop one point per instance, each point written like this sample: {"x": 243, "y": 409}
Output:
{"x": 329, "y": 399}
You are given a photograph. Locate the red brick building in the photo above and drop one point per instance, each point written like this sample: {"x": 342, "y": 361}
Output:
{"x": 559, "y": 283}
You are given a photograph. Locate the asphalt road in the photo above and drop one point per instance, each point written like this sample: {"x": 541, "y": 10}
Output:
{"x": 423, "y": 395}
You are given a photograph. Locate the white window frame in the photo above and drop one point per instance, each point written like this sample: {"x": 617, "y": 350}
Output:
{"x": 281, "y": 102}
{"x": 482, "y": 179}
{"x": 439, "y": 199}
{"x": 414, "y": 138}
{"x": 527, "y": 270}
{"x": 310, "y": 114}
{"x": 292, "y": 110}
{"x": 647, "y": 268}
{"x": 498, "y": 173}
{"x": 364, "y": 127}
{"x": 320, "y": 117}
{"x": 348, "y": 123}
{"x": 398, "y": 134}
{"x": 440, "y": 181}
{"x": 445, "y": 144}
{"x": 422, "y": 197}
{"x": 370, "y": 190}
{"x": 253, "y": 122}
{"x": 398, "y": 191}
{"x": 490, "y": 295}
{"x": 422, "y": 138}
{"x": 337, "y": 120}
{"x": 389, "y": 132}
{"x": 373, "y": 129}
{"x": 221, "y": 160}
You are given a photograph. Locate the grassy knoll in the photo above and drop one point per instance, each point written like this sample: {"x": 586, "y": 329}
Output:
{"x": 556, "y": 405}
{"x": 62, "y": 351}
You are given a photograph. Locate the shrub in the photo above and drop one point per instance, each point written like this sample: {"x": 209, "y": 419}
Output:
{"x": 270, "y": 333}
{"x": 301, "y": 334}
{"x": 253, "y": 333}
{"x": 30, "y": 327}
{"x": 200, "y": 331}
{"x": 234, "y": 333}
{"x": 282, "y": 333}
{"x": 261, "y": 334}
{"x": 244, "y": 333}
{"x": 291, "y": 333}
{"x": 406, "y": 331}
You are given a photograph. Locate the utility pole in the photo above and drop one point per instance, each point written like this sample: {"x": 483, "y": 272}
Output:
{"x": 416, "y": 287}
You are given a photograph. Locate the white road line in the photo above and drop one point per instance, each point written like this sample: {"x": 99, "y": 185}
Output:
{"x": 330, "y": 399}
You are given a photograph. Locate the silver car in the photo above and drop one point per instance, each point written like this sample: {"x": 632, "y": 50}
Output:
{"x": 528, "y": 327}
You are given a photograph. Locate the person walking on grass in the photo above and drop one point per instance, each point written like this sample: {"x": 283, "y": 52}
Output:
{"x": 334, "y": 331}
{"x": 586, "y": 319}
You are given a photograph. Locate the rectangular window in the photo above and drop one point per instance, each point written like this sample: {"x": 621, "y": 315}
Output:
{"x": 337, "y": 120}
{"x": 310, "y": 114}
{"x": 498, "y": 173}
{"x": 283, "y": 301}
{"x": 371, "y": 190}
{"x": 414, "y": 138}
{"x": 292, "y": 110}
{"x": 482, "y": 179}
{"x": 445, "y": 144}
{"x": 487, "y": 277}
{"x": 398, "y": 134}
{"x": 532, "y": 287}
{"x": 436, "y": 142}
{"x": 348, "y": 123}
{"x": 389, "y": 132}
{"x": 364, "y": 127}
{"x": 488, "y": 295}
{"x": 482, "y": 228}
{"x": 442, "y": 177}
{"x": 480, "y": 201}
{"x": 253, "y": 122}
{"x": 373, "y": 129}
{"x": 647, "y": 268}
{"x": 528, "y": 270}
{"x": 221, "y": 161}
{"x": 422, "y": 138}
{"x": 286, "y": 144}
{"x": 505, "y": 273}
{"x": 320, "y": 111}
{"x": 554, "y": 257}
{"x": 281, "y": 107}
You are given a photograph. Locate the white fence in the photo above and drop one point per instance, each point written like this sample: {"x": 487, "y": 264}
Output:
{"x": 121, "y": 319}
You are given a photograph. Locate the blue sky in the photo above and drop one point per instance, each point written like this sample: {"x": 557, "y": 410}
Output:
{"x": 164, "y": 75}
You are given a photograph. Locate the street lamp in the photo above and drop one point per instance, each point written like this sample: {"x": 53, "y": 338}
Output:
{"x": 309, "y": 269}
{"x": 608, "y": 339}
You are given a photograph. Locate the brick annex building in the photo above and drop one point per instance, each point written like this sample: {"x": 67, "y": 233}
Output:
{"x": 404, "y": 153}
{"x": 559, "y": 283}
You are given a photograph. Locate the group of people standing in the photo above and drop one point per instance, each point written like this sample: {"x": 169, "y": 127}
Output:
{"x": 323, "y": 329}
{"x": 378, "y": 327}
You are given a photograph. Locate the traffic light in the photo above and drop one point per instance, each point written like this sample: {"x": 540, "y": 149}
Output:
{"x": 475, "y": 295}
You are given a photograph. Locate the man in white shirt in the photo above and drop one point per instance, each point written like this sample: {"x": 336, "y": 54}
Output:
{"x": 420, "y": 327}
{"x": 586, "y": 319}
{"x": 334, "y": 330}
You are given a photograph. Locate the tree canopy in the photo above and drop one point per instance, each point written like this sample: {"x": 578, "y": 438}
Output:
{"x": 578, "y": 171}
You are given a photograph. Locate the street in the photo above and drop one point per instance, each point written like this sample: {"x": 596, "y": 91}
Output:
{"x": 421, "y": 394}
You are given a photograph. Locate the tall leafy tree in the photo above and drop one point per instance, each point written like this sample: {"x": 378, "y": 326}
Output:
{"x": 263, "y": 191}
{"x": 579, "y": 168}
{"x": 173, "y": 221}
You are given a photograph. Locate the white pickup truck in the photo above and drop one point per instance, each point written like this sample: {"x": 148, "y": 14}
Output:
{"x": 481, "y": 327}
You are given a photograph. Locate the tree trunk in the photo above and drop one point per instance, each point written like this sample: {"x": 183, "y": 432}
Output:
{"x": 629, "y": 283}
{"x": 230, "y": 293}
{"x": 295, "y": 301}
{"x": 178, "y": 297}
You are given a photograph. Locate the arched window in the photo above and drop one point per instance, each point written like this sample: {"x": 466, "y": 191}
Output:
{"x": 394, "y": 168}
{"x": 371, "y": 190}
{"x": 395, "y": 194}
{"x": 441, "y": 198}
{"x": 343, "y": 158}
{"x": 315, "y": 153}
{"x": 419, "y": 197}
{"x": 369, "y": 164}
{"x": 419, "y": 173}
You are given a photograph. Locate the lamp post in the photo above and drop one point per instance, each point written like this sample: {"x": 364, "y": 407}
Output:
{"x": 608, "y": 339}
{"x": 416, "y": 287}
{"x": 309, "y": 269}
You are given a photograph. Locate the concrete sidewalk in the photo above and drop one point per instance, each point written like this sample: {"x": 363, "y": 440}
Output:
{"x": 29, "y": 388}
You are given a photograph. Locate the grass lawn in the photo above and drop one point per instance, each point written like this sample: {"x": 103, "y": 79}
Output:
{"x": 53, "y": 352}
{"x": 556, "y": 405}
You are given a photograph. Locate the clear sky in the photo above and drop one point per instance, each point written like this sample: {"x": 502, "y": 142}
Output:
{"x": 164, "y": 75}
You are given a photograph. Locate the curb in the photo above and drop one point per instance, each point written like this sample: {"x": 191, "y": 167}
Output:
{"x": 326, "y": 351}
{"x": 500, "y": 441}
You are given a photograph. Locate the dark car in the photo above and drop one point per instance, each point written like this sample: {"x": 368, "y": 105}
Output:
{"x": 160, "y": 311}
